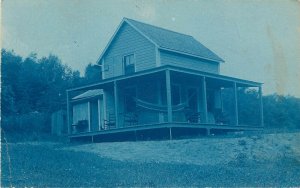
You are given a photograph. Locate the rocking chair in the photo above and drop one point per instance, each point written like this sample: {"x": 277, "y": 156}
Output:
{"x": 110, "y": 123}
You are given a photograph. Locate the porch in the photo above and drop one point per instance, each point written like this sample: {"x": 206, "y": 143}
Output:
{"x": 162, "y": 98}
{"x": 158, "y": 131}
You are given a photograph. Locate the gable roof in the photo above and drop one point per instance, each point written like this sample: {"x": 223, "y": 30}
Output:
{"x": 169, "y": 41}
{"x": 173, "y": 41}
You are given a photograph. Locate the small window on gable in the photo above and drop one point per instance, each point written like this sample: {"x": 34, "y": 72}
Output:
{"x": 128, "y": 63}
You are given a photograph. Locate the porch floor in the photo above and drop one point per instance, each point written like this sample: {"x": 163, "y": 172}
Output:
{"x": 157, "y": 131}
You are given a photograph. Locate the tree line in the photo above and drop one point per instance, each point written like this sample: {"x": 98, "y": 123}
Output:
{"x": 278, "y": 111}
{"x": 39, "y": 85}
{"x": 31, "y": 84}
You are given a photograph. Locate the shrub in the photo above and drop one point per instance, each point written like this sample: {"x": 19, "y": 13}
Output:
{"x": 31, "y": 122}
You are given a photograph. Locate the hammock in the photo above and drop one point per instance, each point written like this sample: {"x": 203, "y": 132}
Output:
{"x": 157, "y": 107}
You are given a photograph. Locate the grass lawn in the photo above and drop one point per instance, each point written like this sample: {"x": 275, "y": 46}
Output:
{"x": 56, "y": 164}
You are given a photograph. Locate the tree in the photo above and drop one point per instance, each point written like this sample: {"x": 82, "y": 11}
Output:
{"x": 10, "y": 71}
{"x": 92, "y": 74}
{"x": 248, "y": 106}
{"x": 34, "y": 84}
{"x": 29, "y": 85}
{"x": 281, "y": 111}
{"x": 53, "y": 76}
{"x": 8, "y": 100}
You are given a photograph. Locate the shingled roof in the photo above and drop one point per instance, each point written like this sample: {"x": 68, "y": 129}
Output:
{"x": 169, "y": 41}
{"x": 173, "y": 41}
{"x": 89, "y": 94}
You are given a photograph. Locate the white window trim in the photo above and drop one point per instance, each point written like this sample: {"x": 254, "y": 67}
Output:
{"x": 123, "y": 62}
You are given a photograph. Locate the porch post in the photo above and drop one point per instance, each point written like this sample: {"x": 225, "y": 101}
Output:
{"x": 159, "y": 95}
{"x": 99, "y": 114}
{"x": 236, "y": 113}
{"x": 169, "y": 96}
{"x": 204, "y": 100}
{"x": 116, "y": 103}
{"x": 261, "y": 107}
{"x": 89, "y": 115}
{"x": 68, "y": 114}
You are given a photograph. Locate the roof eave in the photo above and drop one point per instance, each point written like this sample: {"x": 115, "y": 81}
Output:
{"x": 115, "y": 33}
{"x": 192, "y": 55}
{"x": 84, "y": 99}
{"x": 140, "y": 32}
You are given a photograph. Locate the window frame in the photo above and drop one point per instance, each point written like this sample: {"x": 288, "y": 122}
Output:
{"x": 124, "y": 66}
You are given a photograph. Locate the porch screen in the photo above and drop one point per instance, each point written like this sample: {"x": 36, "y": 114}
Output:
{"x": 80, "y": 112}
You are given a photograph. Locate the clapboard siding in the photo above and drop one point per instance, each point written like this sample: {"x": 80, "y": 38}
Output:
{"x": 169, "y": 58}
{"x": 128, "y": 41}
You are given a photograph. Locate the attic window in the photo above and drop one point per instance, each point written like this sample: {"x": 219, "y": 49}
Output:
{"x": 128, "y": 62}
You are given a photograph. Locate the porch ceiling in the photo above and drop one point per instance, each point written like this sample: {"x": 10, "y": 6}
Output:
{"x": 217, "y": 79}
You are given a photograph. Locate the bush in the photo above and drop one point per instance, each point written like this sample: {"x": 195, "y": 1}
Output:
{"x": 282, "y": 112}
{"x": 31, "y": 122}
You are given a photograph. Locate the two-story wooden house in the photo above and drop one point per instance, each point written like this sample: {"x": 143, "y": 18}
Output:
{"x": 154, "y": 81}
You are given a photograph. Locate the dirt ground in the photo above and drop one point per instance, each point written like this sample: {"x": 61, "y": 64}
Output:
{"x": 144, "y": 164}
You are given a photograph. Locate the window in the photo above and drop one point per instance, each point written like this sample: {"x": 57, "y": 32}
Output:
{"x": 128, "y": 62}
{"x": 175, "y": 89}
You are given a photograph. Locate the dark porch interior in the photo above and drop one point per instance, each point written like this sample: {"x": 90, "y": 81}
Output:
{"x": 171, "y": 96}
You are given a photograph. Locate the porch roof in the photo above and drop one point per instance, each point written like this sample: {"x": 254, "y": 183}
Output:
{"x": 88, "y": 94}
{"x": 211, "y": 76}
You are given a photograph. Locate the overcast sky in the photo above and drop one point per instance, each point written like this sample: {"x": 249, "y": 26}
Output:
{"x": 259, "y": 40}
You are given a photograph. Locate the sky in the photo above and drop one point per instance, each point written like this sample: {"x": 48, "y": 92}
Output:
{"x": 258, "y": 39}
